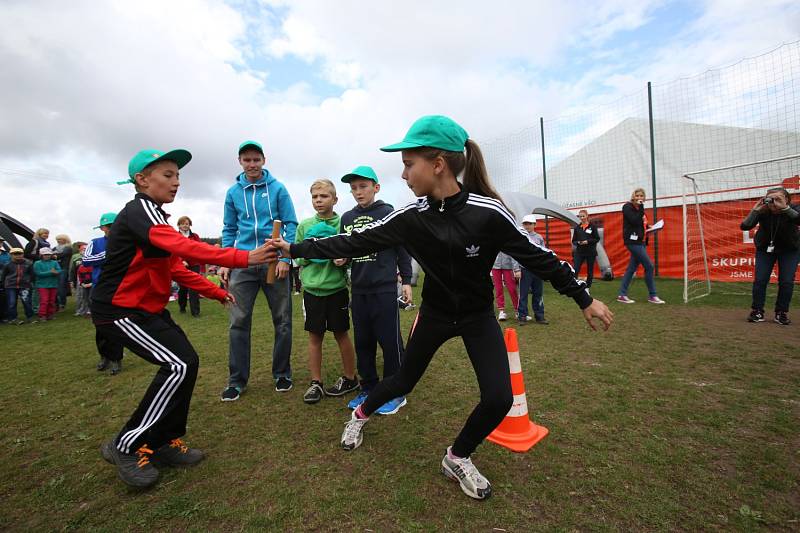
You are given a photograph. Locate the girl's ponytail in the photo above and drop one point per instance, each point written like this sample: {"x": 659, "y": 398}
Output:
{"x": 476, "y": 178}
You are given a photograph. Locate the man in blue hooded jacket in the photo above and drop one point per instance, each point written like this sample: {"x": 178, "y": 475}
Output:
{"x": 251, "y": 205}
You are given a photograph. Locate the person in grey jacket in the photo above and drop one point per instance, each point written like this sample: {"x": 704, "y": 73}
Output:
{"x": 505, "y": 271}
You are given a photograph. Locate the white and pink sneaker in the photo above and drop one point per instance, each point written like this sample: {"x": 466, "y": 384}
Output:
{"x": 656, "y": 300}
{"x": 625, "y": 300}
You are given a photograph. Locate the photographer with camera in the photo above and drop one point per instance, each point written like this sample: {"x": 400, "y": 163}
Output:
{"x": 777, "y": 240}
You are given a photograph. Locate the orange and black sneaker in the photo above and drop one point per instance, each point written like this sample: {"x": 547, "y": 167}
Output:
{"x": 134, "y": 469}
{"x": 176, "y": 453}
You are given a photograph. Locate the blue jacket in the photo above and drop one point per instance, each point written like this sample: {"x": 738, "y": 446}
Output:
{"x": 250, "y": 209}
{"x": 94, "y": 256}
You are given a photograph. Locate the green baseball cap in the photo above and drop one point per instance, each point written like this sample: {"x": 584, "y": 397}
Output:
{"x": 106, "y": 219}
{"x": 364, "y": 172}
{"x": 432, "y": 131}
{"x": 145, "y": 158}
{"x": 251, "y": 144}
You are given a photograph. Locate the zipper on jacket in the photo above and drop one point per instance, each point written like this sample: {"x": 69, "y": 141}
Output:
{"x": 452, "y": 273}
{"x": 255, "y": 214}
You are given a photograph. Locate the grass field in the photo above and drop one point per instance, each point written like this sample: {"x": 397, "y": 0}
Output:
{"x": 679, "y": 418}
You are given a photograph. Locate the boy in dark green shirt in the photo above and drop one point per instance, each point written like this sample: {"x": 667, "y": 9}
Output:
{"x": 325, "y": 297}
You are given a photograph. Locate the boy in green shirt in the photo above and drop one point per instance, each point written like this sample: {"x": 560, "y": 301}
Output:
{"x": 325, "y": 296}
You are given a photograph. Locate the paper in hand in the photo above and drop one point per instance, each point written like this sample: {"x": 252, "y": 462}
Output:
{"x": 657, "y": 226}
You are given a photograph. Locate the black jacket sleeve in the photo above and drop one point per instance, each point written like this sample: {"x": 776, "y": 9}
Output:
{"x": 541, "y": 262}
{"x": 404, "y": 265}
{"x": 385, "y": 233}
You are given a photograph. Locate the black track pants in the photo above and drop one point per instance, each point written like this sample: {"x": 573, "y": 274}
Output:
{"x": 376, "y": 320}
{"x": 487, "y": 352}
{"x": 162, "y": 413}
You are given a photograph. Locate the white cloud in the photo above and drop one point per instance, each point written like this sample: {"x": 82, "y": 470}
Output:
{"x": 109, "y": 78}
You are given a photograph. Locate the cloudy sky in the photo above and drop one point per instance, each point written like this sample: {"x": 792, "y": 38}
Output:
{"x": 322, "y": 84}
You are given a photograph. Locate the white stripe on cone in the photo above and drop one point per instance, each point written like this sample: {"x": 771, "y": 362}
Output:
{"x": 520, "y": 406}
{"x": 513, "y": 363}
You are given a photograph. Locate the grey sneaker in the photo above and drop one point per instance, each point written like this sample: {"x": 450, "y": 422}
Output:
{"x": 342, "y": 386}
{"x": 134, "y": 469}
{"x": 176, "y": 453}
{"x": 116, "y": 367}
{"x": 314, "y": 393}
{"x": 352, "y": 437}
{"x": 231, "y": 394}
{"x": 462, "y": 470}
{"x": 102, "y": 364}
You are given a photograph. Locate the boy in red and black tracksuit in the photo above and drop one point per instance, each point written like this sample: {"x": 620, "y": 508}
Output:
{"x": 143, "y": 257}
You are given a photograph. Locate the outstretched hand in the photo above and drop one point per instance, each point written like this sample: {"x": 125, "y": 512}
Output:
{"x": 278, "y": 245}
{"x": 263, "y": 254}
{"x": 229, "y": 301}
{"x": 598, "y": 310}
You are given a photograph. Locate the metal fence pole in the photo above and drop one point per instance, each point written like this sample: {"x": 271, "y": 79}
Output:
{"x": 544, "y": 182}
{"x": 653, "y": 172}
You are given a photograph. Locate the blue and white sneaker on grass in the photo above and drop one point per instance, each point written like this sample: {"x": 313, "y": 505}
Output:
{"x": 352, "y": 437}
{"x": 392, "y": 406}
{"x": 358, "y": 400}
{"x": 462, "y": 470}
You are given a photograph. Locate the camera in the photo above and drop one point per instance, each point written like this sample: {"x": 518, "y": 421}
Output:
{"x": 768, "y": 200}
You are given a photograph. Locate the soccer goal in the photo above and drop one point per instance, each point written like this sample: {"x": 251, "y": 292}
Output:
{"x": 717, "y": 254}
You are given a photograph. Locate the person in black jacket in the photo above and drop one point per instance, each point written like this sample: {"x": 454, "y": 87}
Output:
{"x": 585, "y": 239}
{"x": 634, "y": 234}
{"x": 454, "y": 231}
{"x": 777, "y": 240}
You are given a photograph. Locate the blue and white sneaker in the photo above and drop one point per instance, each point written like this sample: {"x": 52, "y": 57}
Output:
{"x": 392, "y": 406}
{"x": 358, "y": 400}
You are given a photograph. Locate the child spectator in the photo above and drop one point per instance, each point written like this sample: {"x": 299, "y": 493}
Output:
{"x": 95, "y": 257}
{"x": 376, "y": 317}
{"x": 75, "y": 262}
{"x": 129, "y": 305}
{"x": 17, "y": 278}
{"x": 5, "y": 258}
{"x": 530, "y": 282}
{"x": 63, "y": 254}
{"x": 83, "y": 288}
{"x": 185, "y": 228}
{"x": 505, "y": 270}
{"x": 47, "y": 272}
{"x": 325, "y": 296}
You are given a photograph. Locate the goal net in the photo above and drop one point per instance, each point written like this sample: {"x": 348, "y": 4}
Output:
{"x": 717, "y": 255}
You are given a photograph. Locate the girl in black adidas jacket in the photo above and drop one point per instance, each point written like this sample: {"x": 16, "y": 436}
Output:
{"x": 454, "y": 231}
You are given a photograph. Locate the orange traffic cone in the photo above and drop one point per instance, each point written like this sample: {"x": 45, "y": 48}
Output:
{"x": 517, "y": 432}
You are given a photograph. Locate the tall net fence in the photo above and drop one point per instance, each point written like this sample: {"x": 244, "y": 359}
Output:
{"x": 595, "y": 157}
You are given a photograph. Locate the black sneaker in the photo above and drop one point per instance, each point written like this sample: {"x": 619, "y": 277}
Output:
{"x": 102, "y": 364}
{"x": 283, "y": 384}
{"x": 231, "y": 394}
{"x": 314, "y": 392}
{"x": 756, "y": 315}
{"x": 543, "y": 321}
{"x": 134, "y": 469}
{"x": 116, "y": 367}
{"x": 342, "y": 386}
{"x": 176, "y": 453}
{"x": 522, "y": 321}
{"x": 782, "y": 318}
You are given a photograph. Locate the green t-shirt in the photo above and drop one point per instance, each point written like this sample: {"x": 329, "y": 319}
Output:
{"x": 320, "y": 277}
